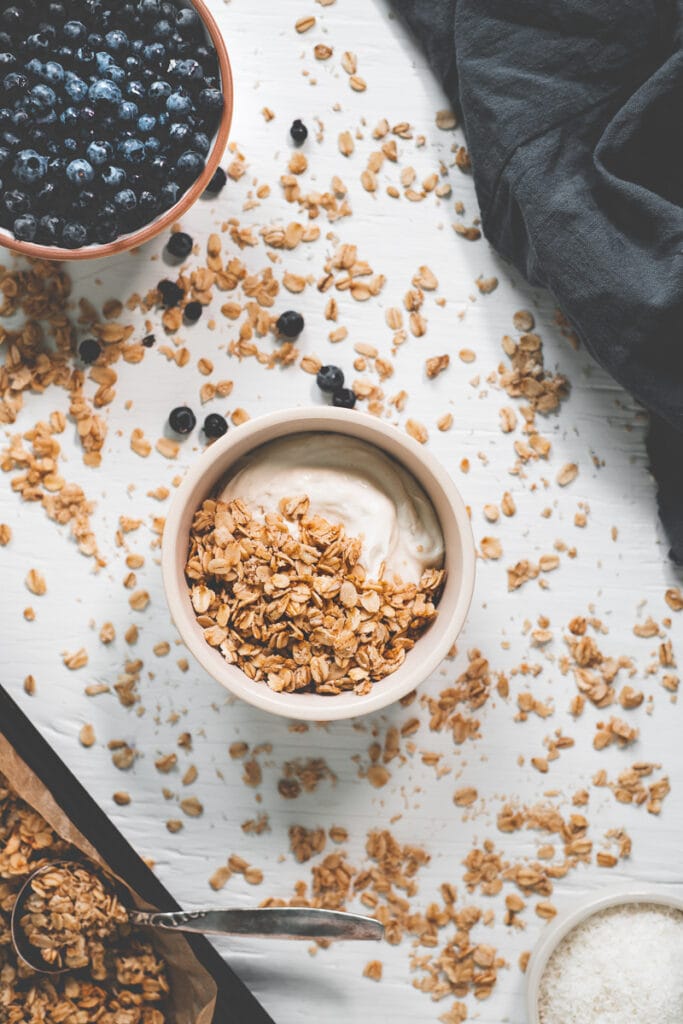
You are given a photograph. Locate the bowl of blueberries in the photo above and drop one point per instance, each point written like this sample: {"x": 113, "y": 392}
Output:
{"x": 114, "y": 115}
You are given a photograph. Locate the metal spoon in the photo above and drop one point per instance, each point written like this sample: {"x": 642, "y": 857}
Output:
{"x": 270, "y": 922}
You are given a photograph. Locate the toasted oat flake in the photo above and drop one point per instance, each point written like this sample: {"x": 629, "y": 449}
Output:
{"x": 567, "y": 474}
{"x": 304, "y": 24}
{"x": 417, "y": 431}
{"x": 35, "y": 582}
{"x": 87, "y": 735}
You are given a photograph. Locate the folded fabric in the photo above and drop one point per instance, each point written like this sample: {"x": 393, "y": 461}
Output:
{"x": 573, "y": 112}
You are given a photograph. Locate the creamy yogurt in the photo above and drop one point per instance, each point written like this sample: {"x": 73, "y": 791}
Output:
{"x": 350, "y": 482}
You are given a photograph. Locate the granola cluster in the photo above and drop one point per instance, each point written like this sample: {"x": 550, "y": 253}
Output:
{"x": 293, "y": 607}
{"x": 121, "y": 979}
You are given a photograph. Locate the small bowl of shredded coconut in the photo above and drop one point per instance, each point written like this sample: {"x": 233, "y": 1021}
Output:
{"x": 616, "y": 958}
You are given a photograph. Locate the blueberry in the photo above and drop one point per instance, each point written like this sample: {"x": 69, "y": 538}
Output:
{"x": 74, "y": 31}
{"x": 152, "y": 147}
{"x": 14, "y": 83}
{"x": 330, "y": 378}
{"x": 25, "y": 227}
{"x": 179, "y": 104}
{"x": 113, "y": 177}
{"x": 21, "y": 118}
{"x": 8, "y": 60}
{"x": 52, "y": 73}
{"x": 182, "y": 420}
{"x": 149, "y": 9}
{"x": 117, "y": 41}
{"x": 132, "y": 151}
{"x": 16, "y": 202}
{"x": 49, "y": 229}
{"x": 136, "y": 90}
{"x": 179, "y": 135}
{"x": 116, "y": 74}
{"x": 148, "y": 204}
{"x": 105, "y": 92}
{"x": 344, "y": 398}
{"x": 80, "y": 172}
{"x": 201, "y": 143}
{"x": 56, "y": 10}
{"x": 106, "y": 230}
{"x": 70, "y": 117}
{"x": 189, "y": 166}
{"x": 74, "y": 235}
{"x": 146, "y": 124}
{"x": 11, "y": 140}
{"x": 43, "y": 96}
{"x": 179, "y": 245}
{"x": 128, "y": 111}
{"x": 39, "y": 42}
{"x": 192, "y": 312}
{"x": 89, "y": 350}
{"x": 159, "y": 167}
{"x": 299, "y": 132}
{"x": 85, "y": 201}
{"x": 99, "y": 152}
{"x": 29, "y": 167}
{"x": 84, "y": 56}
{"x": 169, "y": 194}
{"x": 103, "y": 60}
{"x": 217, "y": 183}
{"x": 132, "y": 63}
{"x": 148, "y": 340}
{"x": 210, "y": 100}
{"x": 70, "y": 146}
{"x": 290, "y": 324}
{"x": 162, "y": 29}
{"x": 75, "y": 87}
{"x": 47, "y": 197}
{"x": 154, "y": 54}
{"x": 5, "y": 116}
{"x": 126, "y": 200}
{"x": 187, "y": 20}
{"x": 215, "y": 425}
{"x": 188, "y": 70}
{"x": 63, "y": 53}
{"x": 170, "y": 293}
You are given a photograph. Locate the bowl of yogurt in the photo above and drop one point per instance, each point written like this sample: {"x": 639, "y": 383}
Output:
{"x": 319, "y": 565}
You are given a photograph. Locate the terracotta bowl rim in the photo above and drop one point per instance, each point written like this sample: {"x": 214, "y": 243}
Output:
{"x": 134, "y": 239}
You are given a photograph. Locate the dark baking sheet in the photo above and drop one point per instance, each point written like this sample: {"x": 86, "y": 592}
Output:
{"x": 235, "y": 1003}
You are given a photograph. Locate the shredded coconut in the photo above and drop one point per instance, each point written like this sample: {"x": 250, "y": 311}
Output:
{"x": 621, "y": 966}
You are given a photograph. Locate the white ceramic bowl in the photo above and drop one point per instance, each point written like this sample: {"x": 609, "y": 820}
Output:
{"x": 552, "y": 936}
{"x": 430, "y": 649}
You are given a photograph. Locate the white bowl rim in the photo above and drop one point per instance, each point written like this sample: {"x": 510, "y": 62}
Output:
{"x": 315, "y": 707}
{"x": 621, "y": 894}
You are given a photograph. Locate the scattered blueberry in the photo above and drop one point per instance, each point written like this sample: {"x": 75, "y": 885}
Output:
{"x": 217, "y": 183}
{"x": 330, "y": 379}
{"x": 89, "y": 350}
{"x": 290, "y": 324}
{"x": 215, "y": 425}
{"x": 182, "y": 419}
{"x": 192, "y": 312}
{"x": 179, "y": 245}
{"x": 344, "y": 398}
{"x": 170, "y": 292}
{"x": 148, "y": 340}
{"x": 299, "y": 132}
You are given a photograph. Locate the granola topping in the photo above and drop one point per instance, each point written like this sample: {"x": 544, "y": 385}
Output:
{"x": 288, "y": 600}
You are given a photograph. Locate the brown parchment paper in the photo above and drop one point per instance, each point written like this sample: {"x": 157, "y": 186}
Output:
{"x": 193, "y": 990}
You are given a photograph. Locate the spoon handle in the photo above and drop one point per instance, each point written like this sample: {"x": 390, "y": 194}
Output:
{"x": 273, "y": 922}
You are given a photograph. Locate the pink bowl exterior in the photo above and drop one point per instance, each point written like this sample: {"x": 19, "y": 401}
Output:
{"x": 430, "y": 649}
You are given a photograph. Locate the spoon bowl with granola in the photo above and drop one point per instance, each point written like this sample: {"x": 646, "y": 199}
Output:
{"x": 65, "y": 917}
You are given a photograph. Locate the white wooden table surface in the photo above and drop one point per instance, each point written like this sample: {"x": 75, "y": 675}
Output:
{"x": 621, "y": 581}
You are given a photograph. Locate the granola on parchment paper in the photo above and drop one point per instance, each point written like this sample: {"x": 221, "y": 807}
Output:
{"x": 120, "y": 981}
{"x": 294, "y": 608}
